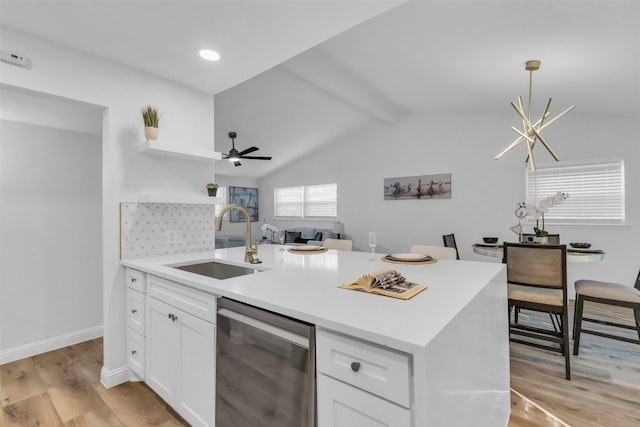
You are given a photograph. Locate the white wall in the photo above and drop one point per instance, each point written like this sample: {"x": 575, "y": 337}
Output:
{"x": 187, "y": 120}
{"x": 484, "y": 191}
{"x": 50, "y": 239}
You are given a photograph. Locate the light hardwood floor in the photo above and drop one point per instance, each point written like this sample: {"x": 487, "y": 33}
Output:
{"x": 62, "y": 388}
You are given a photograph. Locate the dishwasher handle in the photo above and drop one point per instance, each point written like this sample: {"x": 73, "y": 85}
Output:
{"x": 292, "y": 337}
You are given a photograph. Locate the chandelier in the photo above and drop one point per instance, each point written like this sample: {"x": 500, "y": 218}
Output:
{"x": 531, "y": 131}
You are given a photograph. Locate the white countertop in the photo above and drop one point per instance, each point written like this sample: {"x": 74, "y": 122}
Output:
{"x": 305, "y": 287}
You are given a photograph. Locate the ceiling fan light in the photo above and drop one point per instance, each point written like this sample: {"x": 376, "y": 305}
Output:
{"x": 234, "y": 158}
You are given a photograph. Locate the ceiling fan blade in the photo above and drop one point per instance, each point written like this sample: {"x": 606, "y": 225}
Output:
{"x": 249, "y": 150}
{"x": 257, "y": 157}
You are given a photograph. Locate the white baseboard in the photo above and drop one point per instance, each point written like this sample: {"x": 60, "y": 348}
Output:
{"x": 49, "y": 344}
{"x": 112, "y": 378}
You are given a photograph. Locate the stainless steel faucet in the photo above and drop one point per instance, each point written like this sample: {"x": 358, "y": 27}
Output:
{"x": 250, "y": 251}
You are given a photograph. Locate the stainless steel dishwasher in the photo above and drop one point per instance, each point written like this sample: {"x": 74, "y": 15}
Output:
{"x": 265, "y": 368}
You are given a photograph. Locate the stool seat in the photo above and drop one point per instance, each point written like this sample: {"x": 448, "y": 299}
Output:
{"x": 607, "y": 290}
{"x": 536, "y": 295}
{"x": 605, "y": 293}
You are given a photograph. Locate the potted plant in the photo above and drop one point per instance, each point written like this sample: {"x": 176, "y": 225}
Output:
{"x": 151, "y": 118}
{"x": 212, "y": 189}
{"x": 542, "y": 235}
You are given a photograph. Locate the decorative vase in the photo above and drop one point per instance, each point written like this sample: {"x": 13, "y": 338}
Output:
{"x": 543, "y": 240}
{"x": 212, "y": 192}
{"x": 150, "y": 133}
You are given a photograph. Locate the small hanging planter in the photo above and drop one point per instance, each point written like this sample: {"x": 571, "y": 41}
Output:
{"x": 212, "y": 189}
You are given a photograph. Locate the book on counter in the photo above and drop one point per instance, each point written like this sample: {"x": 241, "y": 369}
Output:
{"x": 388, "y": 282}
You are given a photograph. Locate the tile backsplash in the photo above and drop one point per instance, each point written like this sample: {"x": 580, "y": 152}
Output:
{"x": 154, "y": 229}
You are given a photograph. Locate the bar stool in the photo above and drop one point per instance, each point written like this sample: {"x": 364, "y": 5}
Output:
{"x": 605, "y": 293}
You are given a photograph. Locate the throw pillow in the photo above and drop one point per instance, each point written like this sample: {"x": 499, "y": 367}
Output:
{"x": 329, "y": 235}
{"x": 291, "y": 236}
{"x": 318, "y": 236}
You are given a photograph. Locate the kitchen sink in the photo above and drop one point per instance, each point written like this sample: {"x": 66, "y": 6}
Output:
{"x": 217, "y": 270}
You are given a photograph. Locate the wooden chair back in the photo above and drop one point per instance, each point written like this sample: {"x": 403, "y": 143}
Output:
{"x": 553, "y": 239}
{"x": 542, "y": 266}
{"x": 340, "y": 244}
{"x": 437, "y": 252}
{"x": 449, "y": 241}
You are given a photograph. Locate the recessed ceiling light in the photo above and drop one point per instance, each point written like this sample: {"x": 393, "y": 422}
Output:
{"x": 209, "y": 55}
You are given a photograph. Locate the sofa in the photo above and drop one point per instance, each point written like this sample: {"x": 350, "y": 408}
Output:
{"x": 307, "y": 235}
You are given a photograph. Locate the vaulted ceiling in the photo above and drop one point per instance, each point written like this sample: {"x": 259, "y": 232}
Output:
{"x": 297, "y": 75}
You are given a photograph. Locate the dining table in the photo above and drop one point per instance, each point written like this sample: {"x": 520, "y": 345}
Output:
{"x": 573, "y": 254}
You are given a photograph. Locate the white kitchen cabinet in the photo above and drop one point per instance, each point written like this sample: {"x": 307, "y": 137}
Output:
{"x": 361, "y": 384}
{"x": 341, "y": 405}
{"x": 136, "y": 286}
{"x": 180, "y": 350}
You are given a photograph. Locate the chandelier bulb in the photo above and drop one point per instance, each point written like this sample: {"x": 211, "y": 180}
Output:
{"x": 532, "y": 65}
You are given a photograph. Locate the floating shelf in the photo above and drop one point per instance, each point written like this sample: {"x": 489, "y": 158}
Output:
{"x": 179, "y": 199}
{"x": 189, "y": 153}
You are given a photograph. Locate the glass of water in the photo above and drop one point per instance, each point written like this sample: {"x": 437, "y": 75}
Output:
{"x": 372, "y": 244}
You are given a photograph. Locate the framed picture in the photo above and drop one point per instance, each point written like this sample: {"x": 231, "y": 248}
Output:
{"x": 418, "y": 187}
{"x": 248, "y": 199}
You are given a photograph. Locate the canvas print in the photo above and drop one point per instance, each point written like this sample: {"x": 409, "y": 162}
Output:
{"x": 418, "y": 187}
{"x": 248, "y": 199}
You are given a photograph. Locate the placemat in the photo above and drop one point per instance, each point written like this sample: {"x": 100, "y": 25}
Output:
{"x": 393, "y": 261}
{"x": 293, "y": 251}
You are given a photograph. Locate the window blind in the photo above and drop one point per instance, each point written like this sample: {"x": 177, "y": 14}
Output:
{"x": 321, "y": 200}
{"x": 596, "y": 191}
{"x": 288, "y": 202}
{"x": 310, "y": 201}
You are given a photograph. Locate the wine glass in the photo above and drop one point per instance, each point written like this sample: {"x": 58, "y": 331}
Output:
{"x": 281, "y": 234}
{"x": 372, "y": 244}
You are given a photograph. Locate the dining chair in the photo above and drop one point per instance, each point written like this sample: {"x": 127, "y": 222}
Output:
{"x": 437, "y": 252}
{"x": 553, "y": 239}
{"x": 449, "y": 241}
{"x": 605, "y": 293}
{"x": 537, "y": 281}
{"x": 340, "y": 244}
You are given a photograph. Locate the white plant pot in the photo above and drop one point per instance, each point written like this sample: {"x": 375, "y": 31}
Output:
{"x": 542, "y": 240}
{"x": 150, "y": 133}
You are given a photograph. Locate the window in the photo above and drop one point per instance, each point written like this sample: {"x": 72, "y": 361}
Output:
{"x": 596, "y": 191}
{"x": 222, "y": 193}
{"x": 308, "y": 201}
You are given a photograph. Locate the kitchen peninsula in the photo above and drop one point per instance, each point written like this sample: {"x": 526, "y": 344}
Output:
{"x": 449, "y": 344}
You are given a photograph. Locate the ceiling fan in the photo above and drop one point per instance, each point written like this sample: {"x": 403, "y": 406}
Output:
{"x": 235, "y": 155}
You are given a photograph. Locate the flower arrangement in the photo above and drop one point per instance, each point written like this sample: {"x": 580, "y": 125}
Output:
{"x": 266, "y": 227}
{"x": 537, "y": 212}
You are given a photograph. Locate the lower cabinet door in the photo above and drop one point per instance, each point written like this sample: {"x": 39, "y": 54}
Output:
{"x": 135, "y": 353}
{"x": 162, "y": 335}
{"x": 197, "y": 371}
{"x": 341, "y": 405}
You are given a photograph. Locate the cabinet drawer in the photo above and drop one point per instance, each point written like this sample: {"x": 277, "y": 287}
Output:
{"x": 193, "y": 301}
{"x": 135, "y": 352}
{"x": 135, "y": 311}
{"x": 135, "y": 280}
{"x": 341, "y": 405}
{"x": 373, "y": 368}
